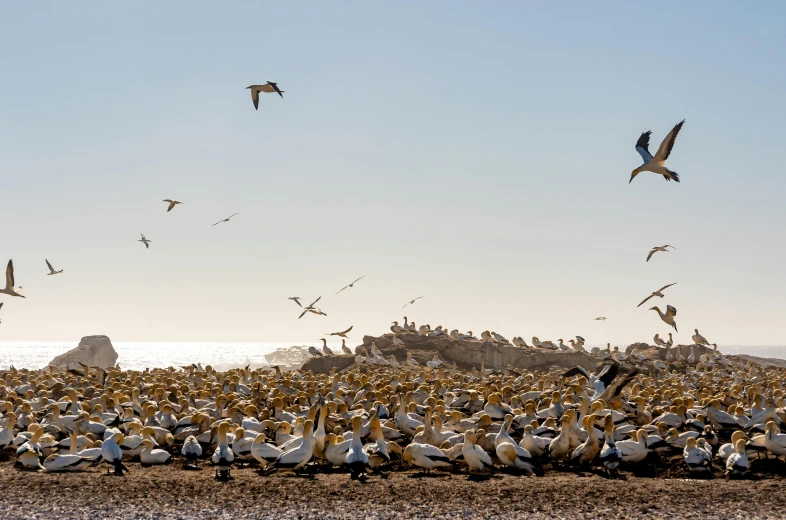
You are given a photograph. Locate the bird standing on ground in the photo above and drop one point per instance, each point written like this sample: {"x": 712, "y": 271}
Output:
{"x": 659, "y": 249}
{"x": 268, "y": 88}
{"x": 51, "y": 269}
{"x": 344, "y": 347}
{"x": 325, "y": 349}
{"x": 352, "y": 284}
{"x": 412, "y": 301}
{"x": 172, "y": 204}
{"x": 9, "y": 281}
{"x": 657, "y": 164}
{"x": 699, "y": 339}
{"x": 668, "y": 316}
{"x": 226, "y": 219}
{"x": 658, "y": 293}
{"x": 145, "y": 241}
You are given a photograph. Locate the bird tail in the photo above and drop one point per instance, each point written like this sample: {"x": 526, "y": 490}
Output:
{"x": 673, "y": 175}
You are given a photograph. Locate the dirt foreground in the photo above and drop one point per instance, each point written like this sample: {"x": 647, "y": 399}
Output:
{"x": 168, "y": 492}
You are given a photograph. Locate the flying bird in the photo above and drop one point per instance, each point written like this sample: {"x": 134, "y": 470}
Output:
{"x": 312, "y": 309}
{"x": 295, "y": 299}
{"x": 600, "y": 318}
{"x": 226, "y": 219}
{"x": 1, "y": 306}
{"x": 52, "y": 269}
{"x": 658, "y": 293}
{"x": 340, "y": 334}
{"x": 657, "y": 164}
{"x": 145, "y": 241}
{"x": 172, "y": 204}
{"x": 9, "y": 281}
{"x": 269, "y": 88}
{"x": 657, "y": 249}
{"x": 668, "y": 316}
{"x": 352, "y": 284}
{"x": 413, "y": 301}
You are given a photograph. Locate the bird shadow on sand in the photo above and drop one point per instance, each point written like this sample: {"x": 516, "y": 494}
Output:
{"x": 423, "y": 474}
{"x": 482, "y": 477}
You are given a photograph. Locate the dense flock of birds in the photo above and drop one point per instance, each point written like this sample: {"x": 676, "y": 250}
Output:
{"x": 378, "y": 417}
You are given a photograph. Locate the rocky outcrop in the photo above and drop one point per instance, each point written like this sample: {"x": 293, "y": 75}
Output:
{"x": 471, "y": 353}
{"x": 290, "y": 358}
{"x": 324, "y": 364}
{"x": 92, "y": 350}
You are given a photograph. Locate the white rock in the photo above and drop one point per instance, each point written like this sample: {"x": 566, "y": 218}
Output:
{"x": 92, "y": 351}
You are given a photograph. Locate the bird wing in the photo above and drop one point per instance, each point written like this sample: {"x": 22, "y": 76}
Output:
{"x": 255, "y": 98}
{"x": 608, "y": 374}
{"x": 266, "y": 88}
{"x": 671, "y": 311}
{"x": 642, "y": 146}
{"x": 652, "y": 252}
{"x": 413, "y": 301}
{"x": 9, "y": 275}
{"x": 668, "y": 143}
{"x": 315, "y": 301}
{"x": 217, "y": 223}
{"x": 359, "y": 279}
{"x": 644, "y": 300}
{"x": 666, "y": 286}
{"x": 1, "y": 305}
{"x": 296, "y": 301}
{"x": 580, "y": 338}
{"x": 147, "y": 245}
{"x": 350, "y": 328}
{"x": 342, "y": 288}
{"x": 233, "y": 214}
{"x": 575, "y": 371}
{"x": 171, "y": 205}
{"x": 49, "y": 265}
{"x": 275, "y": 87}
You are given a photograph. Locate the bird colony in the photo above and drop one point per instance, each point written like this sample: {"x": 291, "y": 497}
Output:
{"x": 713, "y": 416}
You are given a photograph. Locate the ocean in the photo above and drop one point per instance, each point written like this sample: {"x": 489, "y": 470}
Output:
{"x": 141, "y": 355}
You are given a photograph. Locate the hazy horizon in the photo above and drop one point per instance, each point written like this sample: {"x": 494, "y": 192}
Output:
{"x": 476, "y": 155}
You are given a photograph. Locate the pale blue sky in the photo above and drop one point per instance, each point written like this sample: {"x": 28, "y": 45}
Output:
{"x": 475, "y": 154}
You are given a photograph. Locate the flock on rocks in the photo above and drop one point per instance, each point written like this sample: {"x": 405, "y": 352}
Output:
{"x": 717, "y": 412}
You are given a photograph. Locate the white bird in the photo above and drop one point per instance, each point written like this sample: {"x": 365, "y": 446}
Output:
{"x": 426, "y": 456}
{"x": 145, "y": 241}
{"x": 226, "y": 219}
{"x": 342, "y": 334}
{"x": 298, "y": 457}
{"x": 150, "y": 455}
{"x": 697, "y": 459}
{"x": 351, "y": 284}
{"x": 9, "y": 281}
{"x": 356, "y": 458}
{"x": 737, "y": 464}
{"x": 475, "y": 457}
{"x": 172, "y": 204}
{"x": 192, "y": 450}
{"x": 657, "y": 164}
{"x": 223, "y": 456}
{"x": 659, "y": 341}
{"x": 51, "y": 269}
{"x": 269, "y": 88}
{"x": 265, "y": 453}
{"x": 656, "y": 249}
{"x": 668, "y": 316}
{"x": 657, "y": 293}
{"x": 412, "y": 301}
{"x": 325, "y": 349}
{"x": 699, "y": 339}
{"x": 113, "y": 454}
{"x": 310, "y": 308}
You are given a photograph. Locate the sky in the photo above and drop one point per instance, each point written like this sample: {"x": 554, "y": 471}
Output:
{"x": 477, "y": 155}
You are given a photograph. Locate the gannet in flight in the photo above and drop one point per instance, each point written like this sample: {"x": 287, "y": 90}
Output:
{"x": 413, "y": 301}
{"x": 600, "y": 318}
{"x": 657, "y": 249}
{"x": 52, "y": 269}
{"x": 172, "y": 204}
{"x": 668, "y": 316}
{"x": 352, "y": 284}
{"x": 226, "y": 219}
{"x": 269, "y": 88}
{"x": 656, "y": 293}
{"x": 295, "y": 299}
{"x": 699, "y": 339}
{"x": 342, "y": 334}
{"x": 657, "y": 164}
{"x": 308, "y": 307}
{"x": 145, "y": 241}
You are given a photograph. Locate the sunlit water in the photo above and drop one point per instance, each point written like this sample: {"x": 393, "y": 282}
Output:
{"x": 137, "y": 356}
